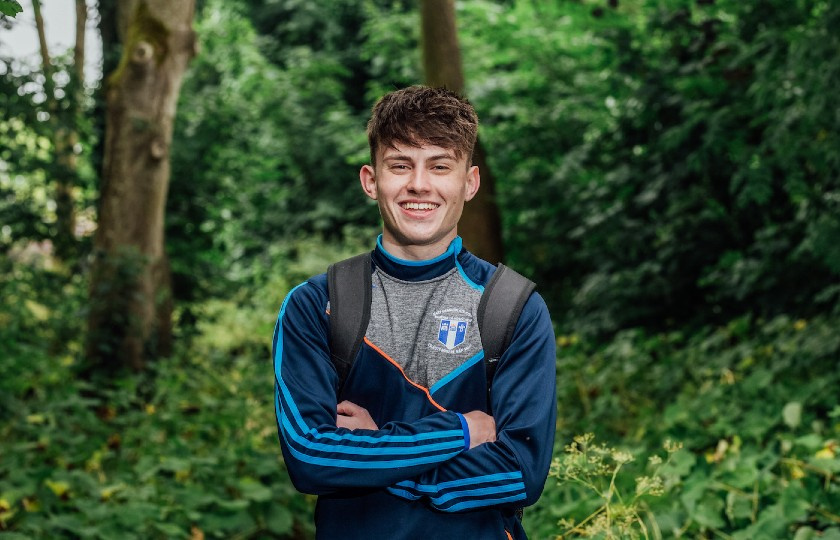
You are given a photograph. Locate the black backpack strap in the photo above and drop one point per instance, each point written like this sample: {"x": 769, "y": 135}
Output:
{"x": 349, "y": 284}
{"x": 498, "y": 312}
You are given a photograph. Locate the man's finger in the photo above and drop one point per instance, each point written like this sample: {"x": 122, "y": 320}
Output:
{"x": 348, "y": 408}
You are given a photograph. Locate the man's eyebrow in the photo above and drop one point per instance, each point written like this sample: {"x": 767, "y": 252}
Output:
{"x": 396, "y": 157}
{"x": 403, "y": 157}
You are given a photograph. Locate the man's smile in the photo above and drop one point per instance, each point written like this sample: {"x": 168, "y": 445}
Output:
{"x": 418, "y": 205}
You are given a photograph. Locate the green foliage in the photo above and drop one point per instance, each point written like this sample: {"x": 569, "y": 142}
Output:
{"x": 188, "y": 447}
{"x": 196, "y": 452}
{"x": 263, "y": 153}
{"x": 684, "y": 153}
{"x": 24, "y": 159}
{"x": 754, "y": 402}
{"x": 10, "y": 8}
{"x": 595, "y": 469}
{"x": 28, "y": 165}
{"x": 539, "y": 75}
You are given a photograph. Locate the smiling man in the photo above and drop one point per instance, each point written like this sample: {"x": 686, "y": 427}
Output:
{"x": 415, "y": 434}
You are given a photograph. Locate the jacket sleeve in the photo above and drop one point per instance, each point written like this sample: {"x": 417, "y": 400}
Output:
{"x": 320, "y": 457}
{"x": 510, "y": 472}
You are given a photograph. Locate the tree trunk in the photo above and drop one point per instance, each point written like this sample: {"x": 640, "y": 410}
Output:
{"x": 79, "y": 50}
{"x": 480, "y": 225}
{"x": 64, "y": 132}
{"x": 111, "y": 53}
{"x": 129, "y": 311}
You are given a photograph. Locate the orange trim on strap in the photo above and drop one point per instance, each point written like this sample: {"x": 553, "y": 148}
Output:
{"x": 399, "y": 367}
{"x": 508, "y": 535}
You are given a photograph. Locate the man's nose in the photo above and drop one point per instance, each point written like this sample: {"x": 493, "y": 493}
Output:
{"x": 419, "y": 181}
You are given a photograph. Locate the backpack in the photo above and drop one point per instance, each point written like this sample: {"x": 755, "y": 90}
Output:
{"x": 349, "y": 283}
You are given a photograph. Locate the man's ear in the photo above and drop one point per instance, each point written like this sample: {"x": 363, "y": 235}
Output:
{"x": 367, "y": 176}
{"x": 473, "y": 183}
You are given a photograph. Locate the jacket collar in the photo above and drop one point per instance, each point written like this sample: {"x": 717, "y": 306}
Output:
{"x": 409, "y": 270}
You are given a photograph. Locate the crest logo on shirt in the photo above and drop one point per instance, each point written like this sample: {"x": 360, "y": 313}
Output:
{"x": 452, "y": 332}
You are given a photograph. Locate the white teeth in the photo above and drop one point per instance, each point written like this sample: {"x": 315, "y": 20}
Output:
{"x": 419, "y": 206}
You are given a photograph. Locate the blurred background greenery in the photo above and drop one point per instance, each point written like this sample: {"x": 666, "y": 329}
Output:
{"x": 667, "y": 171}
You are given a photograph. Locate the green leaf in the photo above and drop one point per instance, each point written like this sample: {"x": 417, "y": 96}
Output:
{"x": 133, "y": 515}
{"x": 693, "y": 489}
{"x": 174, "y": 464}
{"x": 794, "y": 502}
{"x": 811, "y": 442}
{"x": 680, "y": 465}
{"x": 804, "y": 533}
{"x": 236, "y": 504}
{"x": 171, "y": 530}
{"x": 708, "y": 512}
{"x": 67, "y": 522}
{"x": 792, "y": 414}
{"x": 279, "y": 520}
{"x": 59, "y": 488}
{"x": 772, "y": 523}
{"x": 738, "y": 507}
{"x": 215, "y": 523}
{"x": 10, "y": 8}
{"x": 253, "y": 490}
{"x": 826, "y": 464}
{"x": 831, "y": 534}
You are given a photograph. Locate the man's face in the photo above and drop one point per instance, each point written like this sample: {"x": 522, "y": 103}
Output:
{"x": 421, "y": 194}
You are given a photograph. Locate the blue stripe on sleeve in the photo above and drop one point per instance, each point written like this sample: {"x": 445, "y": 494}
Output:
{"x": 278, "y": 358}
{"x": 434, "y": 488}
{"x": 479, "y": 491}
{"x": 363, "y": 450}
{"x": 466, "y": 428}
{"x": 379, "y": 464}
{"x": 482, "y": 502}
{"x": 494, "y": 484}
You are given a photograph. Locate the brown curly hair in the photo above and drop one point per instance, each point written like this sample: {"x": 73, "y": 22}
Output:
{"x": 420, "y": 115}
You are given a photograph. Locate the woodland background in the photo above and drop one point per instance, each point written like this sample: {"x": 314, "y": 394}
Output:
{"x": 668, "y": 172}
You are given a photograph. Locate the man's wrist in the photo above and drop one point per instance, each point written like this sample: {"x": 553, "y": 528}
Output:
{"x": 466, "y": 429}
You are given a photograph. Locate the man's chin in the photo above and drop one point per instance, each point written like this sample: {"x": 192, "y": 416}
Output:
{"x": 419, "y": 239}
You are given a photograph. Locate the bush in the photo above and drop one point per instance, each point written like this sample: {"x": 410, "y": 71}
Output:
{"x": 756, "y": 405}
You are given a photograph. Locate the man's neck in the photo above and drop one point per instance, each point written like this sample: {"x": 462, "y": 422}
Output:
{"x": 416, "y": 252}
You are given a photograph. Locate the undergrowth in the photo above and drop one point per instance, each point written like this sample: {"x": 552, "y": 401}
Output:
{"x": 756, "y": 405}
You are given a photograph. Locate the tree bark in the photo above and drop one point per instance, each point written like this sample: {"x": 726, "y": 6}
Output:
{"x": 64, "y": 133}
{"x": 130, "y": 314}
{"x": 42, "y": 40}
{"x": 79, "y": 50}
{"x": 480, "y": 225}
{"x": 111, "y": 53}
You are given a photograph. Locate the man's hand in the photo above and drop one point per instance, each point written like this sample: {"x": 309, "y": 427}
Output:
{"x": 482, "y": 428}
{"x": 351, "y": 416}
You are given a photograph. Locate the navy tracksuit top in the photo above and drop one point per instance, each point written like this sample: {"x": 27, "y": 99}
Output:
{"x": 419, "y": 368}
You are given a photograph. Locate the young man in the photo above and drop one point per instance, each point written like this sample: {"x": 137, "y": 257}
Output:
{"x": 405, "y": 448}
